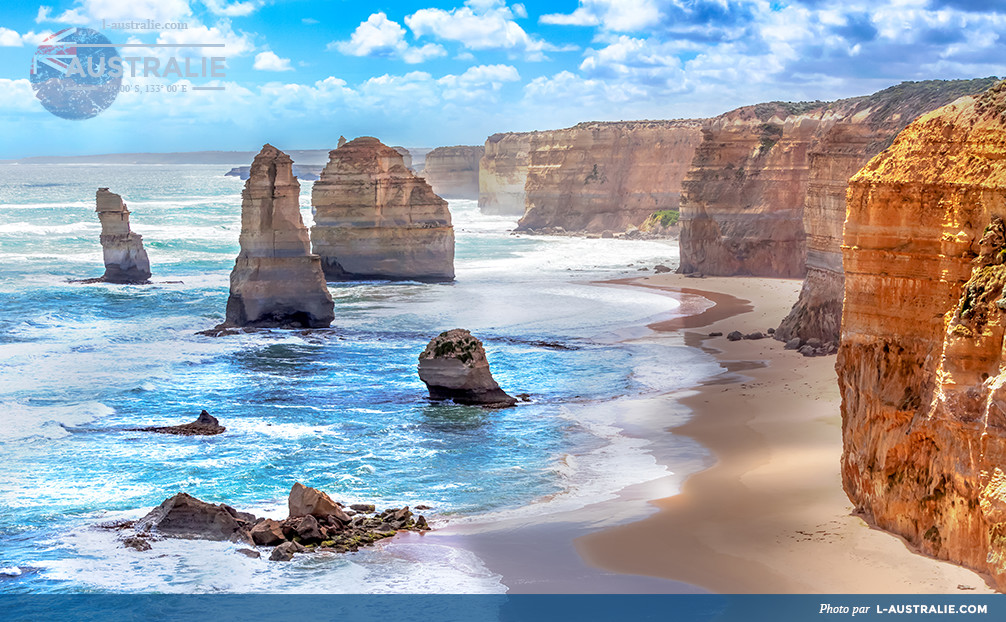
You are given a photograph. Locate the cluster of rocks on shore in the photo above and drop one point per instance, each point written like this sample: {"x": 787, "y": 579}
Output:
{"x": 315, "y": 523}
{"x": 811, "y": 347}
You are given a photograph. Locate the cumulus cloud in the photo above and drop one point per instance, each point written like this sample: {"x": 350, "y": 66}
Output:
{"x": 91, "y": 11}
{"x": 17, "y": 96}
{"x": 12, "y": 39}
{"x": 615, "y": 15}
{"x": 232, "y": 9}
{"x": 234, "y": 43}
{"x": 481, "y": 25}
{"x": 382, "y": 37}
{"x": 269, "y": 61}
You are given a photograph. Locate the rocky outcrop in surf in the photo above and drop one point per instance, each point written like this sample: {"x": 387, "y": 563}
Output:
{"x": 852, "y": 132}
{"x": 606, "y": 176}
{"x": 374, "y": 219}
{"x": 453, "y": 172}
{"x": 454, "y": 367}
{"x": 276, "y": 281}
{"x": 920, "y": 366}
{"x": 204, "y": 425}
{"x": 125, "y": 258}
{"x": 324, "y": 527}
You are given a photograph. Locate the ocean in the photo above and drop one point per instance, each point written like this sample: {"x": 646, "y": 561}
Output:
{"x": 341, "y": 410}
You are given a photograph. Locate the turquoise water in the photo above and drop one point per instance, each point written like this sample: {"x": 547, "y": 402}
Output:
{"x": 341, "y": 410}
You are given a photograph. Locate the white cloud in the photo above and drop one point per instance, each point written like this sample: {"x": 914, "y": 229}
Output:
{"x": 234, "y": 44}
{"x": 615, "y": 15}
{"x": 232, "y": 9}
{"x": 269, "y": 61}
{"x": 310, "y": 21}
{"x": 11, "y": 39}
{"x": 17, "y": 95}
{"x": 93, "y": 11}
{"x": 480, "y": 25}
{"x": 380, "y": 36}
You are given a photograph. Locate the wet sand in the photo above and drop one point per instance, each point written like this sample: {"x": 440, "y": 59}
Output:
{"x": 770, "y": 516}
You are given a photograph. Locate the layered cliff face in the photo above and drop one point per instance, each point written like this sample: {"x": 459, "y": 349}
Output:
{"x": 503, "y": 173}
{"x": 276, "y": 281}
{"x": 453, "y": 172}
{"x": 742, "y": 199}
{"x": 920, "y": 365}
{"x": 125, "y": 258}
{"x": 606, "y": 176}
{"x": 852, "y": 132}
{"x": 376, "y": 219}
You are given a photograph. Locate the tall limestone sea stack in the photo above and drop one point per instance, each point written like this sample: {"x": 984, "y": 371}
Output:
{"x": 276, "y": 281}
{"x": 851, "y": 133}
{"x": 920, "y": 365}
{"x": 375, "y": 219}
{"x": 125, "y": 258}
{"x": 606, "y": 176}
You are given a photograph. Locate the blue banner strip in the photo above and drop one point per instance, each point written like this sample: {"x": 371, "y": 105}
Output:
{"x": 496, "y": 608}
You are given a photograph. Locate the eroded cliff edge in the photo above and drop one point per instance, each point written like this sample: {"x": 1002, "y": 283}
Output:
{"x": 920, "y": 365}
{"x": 599, "y": 176}
{"x": 852, "y": 132}
{"x": 453, "y": 172}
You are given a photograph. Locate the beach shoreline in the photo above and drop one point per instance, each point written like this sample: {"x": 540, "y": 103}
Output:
{"x": 770, "y": 516}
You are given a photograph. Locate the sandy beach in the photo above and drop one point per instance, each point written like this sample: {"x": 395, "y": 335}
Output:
{"x": 770, "y": 516}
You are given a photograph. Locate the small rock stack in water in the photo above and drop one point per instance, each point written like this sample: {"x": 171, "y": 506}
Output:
{"x": 376, "y": 219}
{"x": 454, "y": 367}
{"x": 125, "y": 258}
{"x": 315, "y": 523}
{"x": 276, "y": 281}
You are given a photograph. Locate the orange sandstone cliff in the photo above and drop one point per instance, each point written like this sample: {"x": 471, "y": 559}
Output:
{"x": 852, "y": 131}
{"x": 920, "y": 365}
{"x": 606, "y": 176}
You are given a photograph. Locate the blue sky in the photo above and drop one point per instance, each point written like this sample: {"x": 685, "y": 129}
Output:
{"x": 300, "y": 73}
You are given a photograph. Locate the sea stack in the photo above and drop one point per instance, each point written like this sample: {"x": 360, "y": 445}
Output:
{"x": 920, "y": 366}
{"x": 454, "y": 367}
{"x": 125, "y": 258}
{"x": 375, "y": 219}
{"x": 276, "y": 281}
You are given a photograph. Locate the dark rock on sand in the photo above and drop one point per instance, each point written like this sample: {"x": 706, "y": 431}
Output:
{"x": 735, "y": 335}
{"x": 754, "y": 335}
{"x": 793, "y": 344}
{"x": 661, "y": 268}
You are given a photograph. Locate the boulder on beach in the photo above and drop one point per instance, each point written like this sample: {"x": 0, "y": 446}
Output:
{"x": 307, "y": 501}
{"x": 454, "y": 367}
{"x": 205, "y": 425}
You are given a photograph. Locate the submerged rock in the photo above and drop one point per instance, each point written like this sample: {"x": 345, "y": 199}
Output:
{"x": 276, "y": 281}
{"x": 125, "y": 258}
{"x": 205, "y": 425}
{"x": 454, "y": 367}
